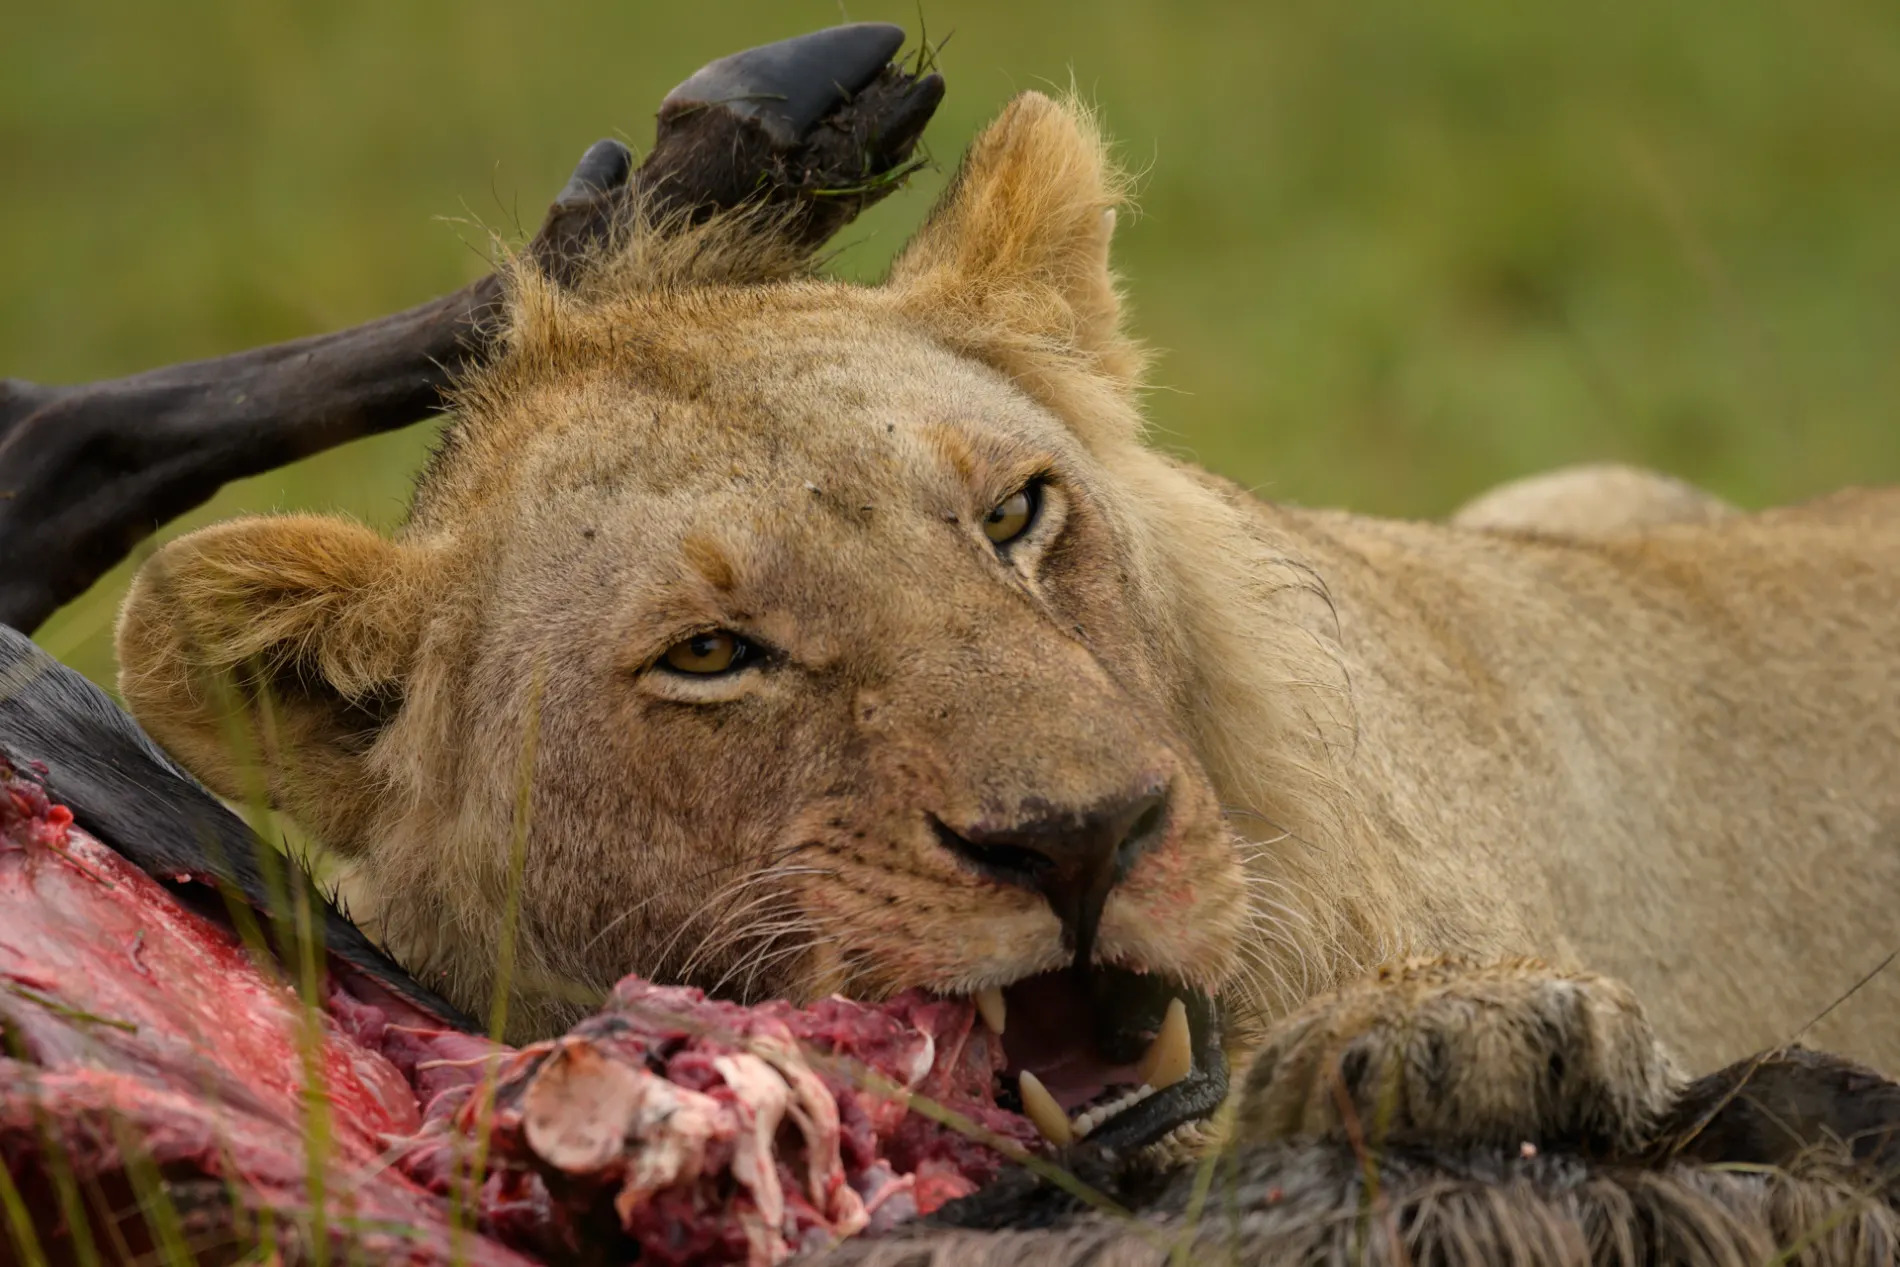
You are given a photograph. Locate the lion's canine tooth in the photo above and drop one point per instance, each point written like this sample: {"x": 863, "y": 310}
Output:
{"x": 1041, "y": 1108}
{"x": 989, "y": 1002}
{"x": 1170, "y": 1057}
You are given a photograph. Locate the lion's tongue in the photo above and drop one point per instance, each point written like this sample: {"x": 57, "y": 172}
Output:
{"x": 1051, "y": 1033}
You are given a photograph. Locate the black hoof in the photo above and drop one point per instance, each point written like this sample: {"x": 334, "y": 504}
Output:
{"x": 790, "y": 85}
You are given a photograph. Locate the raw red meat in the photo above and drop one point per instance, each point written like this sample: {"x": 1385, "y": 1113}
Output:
{"x": 147, "y": 1052}
{"x": 703, "y": 1131}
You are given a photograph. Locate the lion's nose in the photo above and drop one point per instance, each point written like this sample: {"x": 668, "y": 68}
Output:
{"x": 1074, "y": 859}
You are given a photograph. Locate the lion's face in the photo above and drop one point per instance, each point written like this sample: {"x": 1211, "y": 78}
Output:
{"x": 843, "y": 676}
{"x": 780, "y": 637}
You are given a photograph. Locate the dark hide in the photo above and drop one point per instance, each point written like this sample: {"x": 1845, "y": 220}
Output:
{"x": 123, "y": 789}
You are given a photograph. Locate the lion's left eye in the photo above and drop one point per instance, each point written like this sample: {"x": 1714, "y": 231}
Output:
{"x": 705, "y": 654}
{"x": 1014, "y": 515}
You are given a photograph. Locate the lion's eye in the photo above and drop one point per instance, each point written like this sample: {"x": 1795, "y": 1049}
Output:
{"x": 1014, "y": 514}
{"x": 707, "y": 653}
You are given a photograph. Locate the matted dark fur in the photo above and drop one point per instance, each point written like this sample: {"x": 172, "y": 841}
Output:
{"x": 123, "y": 789}
{"x": 1791, "y": 1157}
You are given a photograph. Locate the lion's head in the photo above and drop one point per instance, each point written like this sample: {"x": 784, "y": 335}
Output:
{"x": 771, "y": 634}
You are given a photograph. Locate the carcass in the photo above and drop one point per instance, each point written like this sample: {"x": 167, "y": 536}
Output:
{"x": 166, "y": 1085}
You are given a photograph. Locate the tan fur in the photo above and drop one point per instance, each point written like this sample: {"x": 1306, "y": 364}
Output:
{"x": 1672, "y": 755}
{"x": 1594, "y": 501}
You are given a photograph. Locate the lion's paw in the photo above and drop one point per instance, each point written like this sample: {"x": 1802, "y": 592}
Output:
{"x": 1456, "y": 1054}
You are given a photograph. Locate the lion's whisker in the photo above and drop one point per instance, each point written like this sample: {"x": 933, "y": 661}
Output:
{"x": 770, "y": 862}
{"x": 710, "y": 938}
{"x": 729, "y": 896}
{"x": 724, "y": 906}
{"x": 766, "y": 959}
{"x": 772, "y": 939}
{"x": 734, "y": 888}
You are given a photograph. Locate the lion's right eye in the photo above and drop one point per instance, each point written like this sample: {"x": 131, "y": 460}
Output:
{"x": 704, "y": 654}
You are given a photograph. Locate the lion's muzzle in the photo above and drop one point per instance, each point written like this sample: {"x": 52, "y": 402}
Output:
{"x": 1073, "y": 858}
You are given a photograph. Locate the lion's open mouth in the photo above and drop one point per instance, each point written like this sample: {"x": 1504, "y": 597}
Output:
{"x": 1107, "y": 1054}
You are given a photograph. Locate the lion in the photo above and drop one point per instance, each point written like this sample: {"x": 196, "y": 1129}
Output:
{"x": 784, "y": 636}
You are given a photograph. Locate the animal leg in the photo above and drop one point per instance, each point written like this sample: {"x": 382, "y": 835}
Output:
{"x": 1501, "y": 1054}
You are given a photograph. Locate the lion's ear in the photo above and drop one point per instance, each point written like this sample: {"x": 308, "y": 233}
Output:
{"x": 267, "y": 654}
{"x": 1014, "y": 260}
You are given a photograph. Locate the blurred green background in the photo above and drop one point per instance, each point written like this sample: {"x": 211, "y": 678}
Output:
{"x": 1394, "y": 252}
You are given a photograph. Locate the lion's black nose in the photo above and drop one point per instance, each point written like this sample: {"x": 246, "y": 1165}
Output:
{"x": 1074, "y": 859}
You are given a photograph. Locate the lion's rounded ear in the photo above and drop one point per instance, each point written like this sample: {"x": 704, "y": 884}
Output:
{"x": 1017, "y": 250}
{"x": 267, "y": 653}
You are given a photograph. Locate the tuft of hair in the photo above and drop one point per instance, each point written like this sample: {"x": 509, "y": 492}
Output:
{"x": 616, "y": 307}
{"x": 646, "y": 254}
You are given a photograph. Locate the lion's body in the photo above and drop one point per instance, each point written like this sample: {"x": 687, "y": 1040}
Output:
{"x": 1671, "y": 754}
{"x": 1667, "y": 753}
{"x": 1594, "y": 501}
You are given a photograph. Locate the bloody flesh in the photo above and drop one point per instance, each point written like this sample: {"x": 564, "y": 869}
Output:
{"x": 151, "y": 1059}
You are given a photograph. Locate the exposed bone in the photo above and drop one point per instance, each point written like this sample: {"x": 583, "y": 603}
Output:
{"x": 579, "y": 1108}
{"x": 989, "y": 1002}
{"x": 1170, "y": 1057}
{"x": 1041, "y": 1108}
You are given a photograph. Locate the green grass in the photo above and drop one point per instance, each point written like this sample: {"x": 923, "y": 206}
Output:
{"x": 1394, "y": 252}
